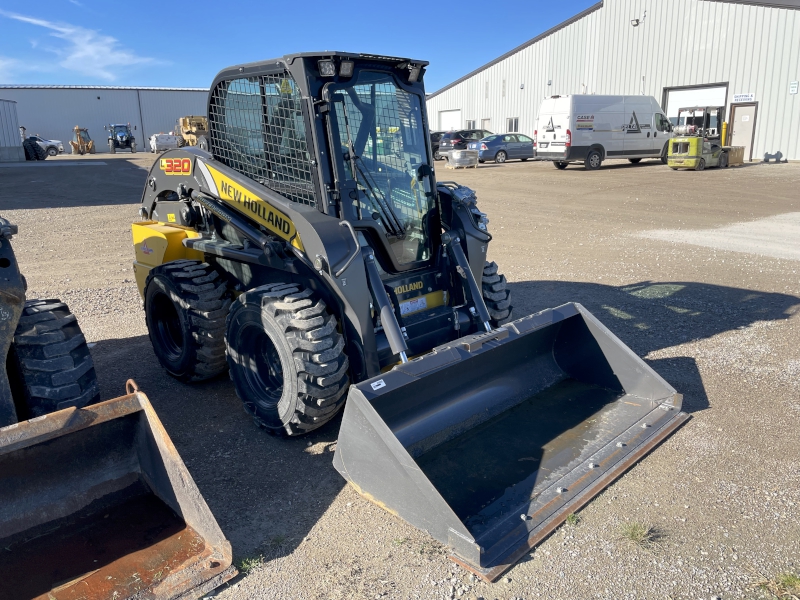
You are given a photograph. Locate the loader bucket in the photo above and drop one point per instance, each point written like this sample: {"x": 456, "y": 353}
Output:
{"x": 95, "y": 504}
{"x": 488, "y": 443}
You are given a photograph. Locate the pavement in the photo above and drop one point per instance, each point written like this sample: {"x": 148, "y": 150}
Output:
{"x": 697, "y": 272}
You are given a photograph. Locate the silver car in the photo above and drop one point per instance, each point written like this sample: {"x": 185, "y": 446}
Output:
{"x": 52, "y": 147}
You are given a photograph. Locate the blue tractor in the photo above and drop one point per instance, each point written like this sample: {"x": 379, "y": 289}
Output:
{"x": 120, "y": 136}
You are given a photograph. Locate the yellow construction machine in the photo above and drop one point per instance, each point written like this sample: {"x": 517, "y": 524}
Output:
{"x": 193, "y": 130}
{"x": 81, "y": 142}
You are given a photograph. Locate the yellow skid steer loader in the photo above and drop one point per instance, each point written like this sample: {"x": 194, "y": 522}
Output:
{"x": 312, "y": 253}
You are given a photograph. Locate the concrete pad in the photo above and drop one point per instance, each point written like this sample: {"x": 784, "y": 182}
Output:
{"x": 776, "y": 237}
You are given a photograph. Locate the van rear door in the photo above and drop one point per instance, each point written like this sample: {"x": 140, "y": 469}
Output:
{"x": 551, "y": 136}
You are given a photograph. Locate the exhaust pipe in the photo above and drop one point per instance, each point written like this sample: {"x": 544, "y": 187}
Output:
{"x": 96, "y": 503}
{"x": 489, "y": 442}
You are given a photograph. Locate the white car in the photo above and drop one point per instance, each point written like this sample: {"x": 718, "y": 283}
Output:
{"x": 52, "y": 147}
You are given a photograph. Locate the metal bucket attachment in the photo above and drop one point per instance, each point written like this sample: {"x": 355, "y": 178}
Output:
{"x": 489, "y": 443}
{"x": 95, "y": 503}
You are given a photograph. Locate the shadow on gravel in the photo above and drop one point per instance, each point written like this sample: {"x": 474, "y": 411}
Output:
{"x": 266, "y": 493}
{"x": 650, "y": 316}
{"x": 116, "y": 182}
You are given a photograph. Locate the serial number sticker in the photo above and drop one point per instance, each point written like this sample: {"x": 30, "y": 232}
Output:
{"x": 412, "y": 306}
{"x": 378, "y": 384}
{"x": 176, "y": 166}
{"x": 171, "y": 217}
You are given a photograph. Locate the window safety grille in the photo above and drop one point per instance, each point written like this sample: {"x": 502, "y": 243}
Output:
{"x": 257, "y": 128}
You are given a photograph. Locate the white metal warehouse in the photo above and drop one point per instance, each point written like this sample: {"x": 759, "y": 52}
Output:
{"x": 742, "y": 54}
{"x": 51, "y": 111}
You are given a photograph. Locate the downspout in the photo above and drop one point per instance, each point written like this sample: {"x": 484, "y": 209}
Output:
{"x": 141, "y": 121}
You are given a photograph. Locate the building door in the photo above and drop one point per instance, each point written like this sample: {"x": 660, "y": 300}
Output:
{"x": 486, "y": 124}
{"x": 743, "y": 127}
{"x": 449, "y": 120}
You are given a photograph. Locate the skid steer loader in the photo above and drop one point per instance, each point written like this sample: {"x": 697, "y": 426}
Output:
{"x": 312, "y": 254}
{"x": 95, "y": 502}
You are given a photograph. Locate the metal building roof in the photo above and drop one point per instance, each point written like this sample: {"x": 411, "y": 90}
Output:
{"x": 791, "y": 4}
{"x": 99, "y": 87}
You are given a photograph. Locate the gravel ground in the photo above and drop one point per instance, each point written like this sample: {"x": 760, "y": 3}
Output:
{"x": 722, "y": 495}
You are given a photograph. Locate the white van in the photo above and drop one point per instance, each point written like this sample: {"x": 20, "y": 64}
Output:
{"x": 588, "y": 129}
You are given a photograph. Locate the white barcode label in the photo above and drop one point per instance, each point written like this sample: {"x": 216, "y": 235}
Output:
{"x": 378, "y": 384}
{"x": 412, "y": 306}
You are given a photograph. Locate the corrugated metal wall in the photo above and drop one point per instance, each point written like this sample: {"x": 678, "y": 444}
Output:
{"x": 756, "y": 49}
{"x": 10, "y": 141}
{"x": 53, "y": 112}
{"x": 9, "y": 130}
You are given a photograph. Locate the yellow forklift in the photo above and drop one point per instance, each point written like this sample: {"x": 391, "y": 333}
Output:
{"x": 697, "y": 140}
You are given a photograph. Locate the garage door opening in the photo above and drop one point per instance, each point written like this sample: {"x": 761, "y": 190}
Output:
{"x": 449, "y": 120}
{"x": 712, "y": 94}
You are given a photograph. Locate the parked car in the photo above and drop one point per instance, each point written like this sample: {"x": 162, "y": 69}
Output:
{"x": 52, "y": 147}
{"x": 458, "y": 140}
{"x": 435, "y": 137}
{"x": 502, "y": 147}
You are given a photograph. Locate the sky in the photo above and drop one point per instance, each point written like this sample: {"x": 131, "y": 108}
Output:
{"x": 184, "y": 44}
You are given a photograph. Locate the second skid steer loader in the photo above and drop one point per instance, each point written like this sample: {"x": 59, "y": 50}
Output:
{"x": 95, "y": 502}
{"x": 313, "y": 254}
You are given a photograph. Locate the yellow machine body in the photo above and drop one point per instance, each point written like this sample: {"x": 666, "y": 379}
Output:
{"x": 158, "y": 243}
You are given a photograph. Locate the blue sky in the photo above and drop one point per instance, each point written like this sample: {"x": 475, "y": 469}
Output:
{"x": 144, "y": 43}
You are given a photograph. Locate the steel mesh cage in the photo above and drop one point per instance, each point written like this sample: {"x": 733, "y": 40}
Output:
{"x": 257, "y": 128}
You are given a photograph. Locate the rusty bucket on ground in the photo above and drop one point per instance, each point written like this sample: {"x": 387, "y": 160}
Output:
{"x": 490, "y": 442}
{"x": 95, "y": 503}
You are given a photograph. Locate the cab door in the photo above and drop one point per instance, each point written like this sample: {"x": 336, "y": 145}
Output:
{"x": 662, "y": 132}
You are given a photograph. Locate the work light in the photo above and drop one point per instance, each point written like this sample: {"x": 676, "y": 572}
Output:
{"x": 346, "y": 68}
{"x": 326, "y": 68}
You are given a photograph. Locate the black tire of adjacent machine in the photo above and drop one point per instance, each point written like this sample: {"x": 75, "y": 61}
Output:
{"x": 49, "y": 366}
{"x": 185, "y": 307}
{"x": 496, "y": 295}
{"x": 286, "y": 358}
{"x": 560, "y": 165}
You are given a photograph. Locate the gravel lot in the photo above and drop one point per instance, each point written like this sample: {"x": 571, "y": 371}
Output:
{"x": 636, "y": 245}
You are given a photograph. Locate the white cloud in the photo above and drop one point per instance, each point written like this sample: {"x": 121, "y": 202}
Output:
{"x": 86, "y": 51}
{"x": 8, "y": 69}
{"x": 76, "y": 3}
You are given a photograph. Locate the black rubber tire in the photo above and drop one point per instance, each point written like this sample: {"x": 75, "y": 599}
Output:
{"x": 112, "y": 148}
{"x": 286, "y": 358}
{"x": 133, "y": 148}
{"x": 723, "y": 161}
{"x": 560, "y": 165}
{"x": 52, "y": 151}
{"x": 701, "y": 165}
{"x": 501, "y": 156}
{"x": 593, "y": 160}
{"x": 33, "y": 151}
{"x": 185, "y": 305}
{"x": 634, "y": 161}
{"x": 496, "y": 295}
{"x": 523, "y": 159}
{"x": 202, "y": 143}
{"x": 50, "y": 366}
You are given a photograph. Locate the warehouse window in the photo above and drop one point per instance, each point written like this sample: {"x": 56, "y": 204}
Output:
{"x": 487, "y": 90}
{"x": 471, "y": 124}
{"x": 512, "y": 124}
{"x": 257, "y": 129}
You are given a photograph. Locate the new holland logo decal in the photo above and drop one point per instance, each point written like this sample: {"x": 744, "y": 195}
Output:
{"x": 235, "y": 195}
